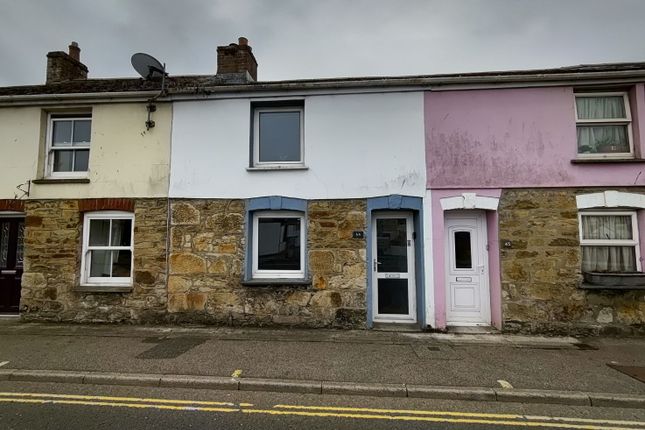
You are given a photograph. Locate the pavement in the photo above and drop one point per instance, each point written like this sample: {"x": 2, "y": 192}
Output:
{"x": 487, "y": 367}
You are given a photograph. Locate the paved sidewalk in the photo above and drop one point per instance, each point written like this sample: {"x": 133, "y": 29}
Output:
{"x": 541, "y": 363}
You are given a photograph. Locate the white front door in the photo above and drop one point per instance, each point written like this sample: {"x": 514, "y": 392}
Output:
{"x": 393, "y": 281}
{"x": 467, "y": 291}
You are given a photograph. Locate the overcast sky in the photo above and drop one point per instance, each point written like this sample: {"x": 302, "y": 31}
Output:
{"x": 294, "y": 39}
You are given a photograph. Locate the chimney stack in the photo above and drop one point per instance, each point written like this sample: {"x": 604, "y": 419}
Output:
{"x": 237, "y": 58}
{"x": 63, "y": 67}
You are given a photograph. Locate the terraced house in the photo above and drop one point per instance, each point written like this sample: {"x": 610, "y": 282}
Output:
{"x": 511, "y": 200}
{"x": 83, "y": 197}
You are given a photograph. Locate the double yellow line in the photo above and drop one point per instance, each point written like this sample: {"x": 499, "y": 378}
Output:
{"x": 324, "y": 411}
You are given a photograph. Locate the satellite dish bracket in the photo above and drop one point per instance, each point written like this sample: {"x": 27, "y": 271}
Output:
{"x": 151, "y": 106}
{"x": 148, "y": 67}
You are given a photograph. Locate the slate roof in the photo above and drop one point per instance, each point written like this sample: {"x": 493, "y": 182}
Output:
{"x": 196, "y": 84}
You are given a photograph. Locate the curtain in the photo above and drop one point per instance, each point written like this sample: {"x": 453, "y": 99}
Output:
{"x": 608, "y": 258}
{"x": 611, "y": 107}
{"x": 602, "y": 138}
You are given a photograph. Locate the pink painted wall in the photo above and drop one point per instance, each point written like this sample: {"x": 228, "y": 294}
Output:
{"x": 517, "y": 138}
{"x": 438, "y": 250}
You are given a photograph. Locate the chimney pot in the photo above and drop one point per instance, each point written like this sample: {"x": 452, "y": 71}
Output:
{"x": 75, "y": 51}
{"x": 242, "y": 41}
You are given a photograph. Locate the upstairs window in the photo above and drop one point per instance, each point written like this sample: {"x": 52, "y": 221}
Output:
{"x": 278, "y": 136}
{"x": 603, "y": 124}
{"x": 107, "y": 248}
{"x": 68, "y": 145}
{"x": 609, "y": 241}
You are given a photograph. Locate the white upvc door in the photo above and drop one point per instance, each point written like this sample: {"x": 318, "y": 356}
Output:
{"x": 393, "y": 280}
{"x": 467, "y": 289}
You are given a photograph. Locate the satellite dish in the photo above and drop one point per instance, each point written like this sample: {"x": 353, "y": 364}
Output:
{"x": 148, "y": 66}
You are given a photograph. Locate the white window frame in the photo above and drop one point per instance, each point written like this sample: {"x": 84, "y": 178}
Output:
{"x": 86, "y": 279}
{"x": 277, "y": 274}
{"x": 49, "y": 154}
{"x": 627, "y": 121}
{"x": 256, "y": 137}
{"x": 635, "y": 241}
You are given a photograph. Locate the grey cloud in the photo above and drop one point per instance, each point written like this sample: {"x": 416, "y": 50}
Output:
{"x": 308, "y": 39}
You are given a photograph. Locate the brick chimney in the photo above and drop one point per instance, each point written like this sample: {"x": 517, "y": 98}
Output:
{"x": 237, "y": 58}
{"x": 65, "y": 67}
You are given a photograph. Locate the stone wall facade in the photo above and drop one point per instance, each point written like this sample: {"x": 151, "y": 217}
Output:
{"x": 541, "y": 270}
{"x": 207, "y": 266}
{"x": 53, "y": 231}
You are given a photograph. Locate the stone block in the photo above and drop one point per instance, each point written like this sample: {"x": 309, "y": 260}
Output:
{"x": 177, "y": 303}
{"x": 326, "y": 299}
{"x": 178, "y": 284}
{"x": 144, "y": 277}
{"x": 218, "y": 267}
{"x": 187, "y": 263}
{"x": 321, "y": 261}
{"x": 319, "y": 282}
{"x": 184, "y": 213}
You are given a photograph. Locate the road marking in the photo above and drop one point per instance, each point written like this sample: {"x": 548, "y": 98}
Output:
{"x": 505, "y": 384}
{"x": 109, "y": 398}
{"x": 398, "y": 411}
{"x": 321, "y": 411}
{"x": 118, "y": 404}
{"x": 458, "y": 414}
{"x": 237, "y": 373}
{"x": 436, "y": 419}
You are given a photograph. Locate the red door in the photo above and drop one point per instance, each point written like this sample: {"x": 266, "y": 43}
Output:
{"x": 12, "y": 231}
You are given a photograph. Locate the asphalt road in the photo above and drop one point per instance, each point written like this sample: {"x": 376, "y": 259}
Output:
{"x": 67, "y": 406}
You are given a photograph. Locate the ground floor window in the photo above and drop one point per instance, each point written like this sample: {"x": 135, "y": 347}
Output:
{"x": 278, "y": 245}
{"x": 609, "y": 241}
{"x": 107, "y": 248}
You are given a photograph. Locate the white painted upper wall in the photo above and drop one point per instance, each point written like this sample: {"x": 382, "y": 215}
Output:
{"x": 356, "y": 145}
{"x": 125, "y": 159}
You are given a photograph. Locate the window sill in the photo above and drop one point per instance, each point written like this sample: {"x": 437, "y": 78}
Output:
{"x": 606, "y": 160}
{"x": 613, "y": 281}
{"x": 43, "y": 181}
{"x": 104, "y": 289}
{"x": 276, "y": 282}
{"x": 269, "y": 168}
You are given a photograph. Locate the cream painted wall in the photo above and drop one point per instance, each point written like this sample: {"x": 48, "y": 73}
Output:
{"x": 356, "y": 145}
{"x": 125, "y": 159}
{"x": 19, "y": 137}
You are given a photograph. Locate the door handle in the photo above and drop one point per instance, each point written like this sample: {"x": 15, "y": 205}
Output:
{"x": 481, "y": 269}
{"x": 376, "y": 263}
{"x": 8, "y": 272}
